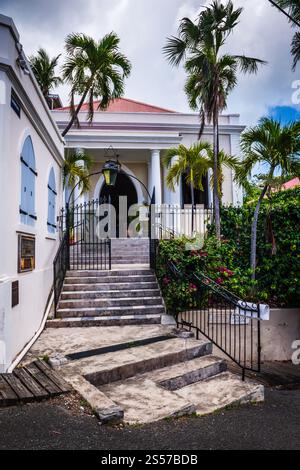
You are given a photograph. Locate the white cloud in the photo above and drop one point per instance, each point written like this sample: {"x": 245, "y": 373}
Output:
{"x": 143, "y": 26}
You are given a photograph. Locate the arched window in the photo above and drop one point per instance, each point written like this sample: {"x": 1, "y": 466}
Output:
{"x": 28, "y": 176}
{"x": 51, "y": 202}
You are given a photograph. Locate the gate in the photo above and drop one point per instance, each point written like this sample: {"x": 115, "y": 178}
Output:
{"x": 87, "y": 249}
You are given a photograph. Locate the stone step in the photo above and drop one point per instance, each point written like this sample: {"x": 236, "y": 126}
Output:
{"x": 220, "y": 391}
{"x": 90, "y": 256}
{"x": 146, "y": 402}
{"x": 104, "y": 302}
{"x": 131, "y": 261}
{"x": 114, "y": 366}
{"x": 134, "y": 257}
{"x": 110, "y": 279}
{"x": 110, "y": 294}
{"x": 119, "y": 272}
{"x": 147, "y": 391}
{"x": 129, "y": 241}
{"x": 201, "y": 382}
{"x": 113, "y": 320}
{"x": 106, "y": 311}
{"x": 183, "y": 374}
{"x": 104, "y": 286}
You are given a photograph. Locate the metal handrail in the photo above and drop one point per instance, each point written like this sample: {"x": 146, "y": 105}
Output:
{"x": 214, "y": 321}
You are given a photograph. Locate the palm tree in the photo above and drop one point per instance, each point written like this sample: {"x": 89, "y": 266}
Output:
{"x": 76, "y": 169}
{"x": 190, "y": 162}
{"x": 211, "y": 74}
{"x": 274, "y": 146}
{"x": 194, "y": 163}
{"x": 291, "y": 8}
{"x": 94, "y": 69}
{"x": 43, "y": 68}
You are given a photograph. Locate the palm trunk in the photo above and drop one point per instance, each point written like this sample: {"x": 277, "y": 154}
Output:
{"x": 193, "y": 204}
{"x": 216, "y": 199}
{"x": 66, "y": 130}
{"x": 254, "y": 228}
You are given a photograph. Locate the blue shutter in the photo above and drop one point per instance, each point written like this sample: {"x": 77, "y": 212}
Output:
{"x": 51, "y": 222}
{"x": 28, "y": 176}
{"x": 24, "y": 192}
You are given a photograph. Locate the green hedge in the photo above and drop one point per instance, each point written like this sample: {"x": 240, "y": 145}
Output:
{"x": 227, "y": 262}
{"x": 278, "y": 273}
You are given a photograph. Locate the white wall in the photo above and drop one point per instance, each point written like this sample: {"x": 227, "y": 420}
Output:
{"x": 19, "y": 324}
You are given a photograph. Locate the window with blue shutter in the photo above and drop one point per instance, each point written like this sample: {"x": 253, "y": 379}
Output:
{"x": 28, "y": 176}
{"x": 51, "y": 202}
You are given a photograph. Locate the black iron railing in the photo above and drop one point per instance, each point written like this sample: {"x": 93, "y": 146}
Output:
{"x": 60, "y": 266}
{"x": 228, "y": 322}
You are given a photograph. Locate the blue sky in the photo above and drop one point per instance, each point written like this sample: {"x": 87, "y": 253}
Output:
{"x": 284, "y": 114}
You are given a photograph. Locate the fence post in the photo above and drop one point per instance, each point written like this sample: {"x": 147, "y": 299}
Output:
{"x": 258, "y": 339}
{"x": 68, "y": 235}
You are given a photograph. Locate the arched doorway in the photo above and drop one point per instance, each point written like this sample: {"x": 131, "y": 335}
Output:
{"x": 123, "y": 187}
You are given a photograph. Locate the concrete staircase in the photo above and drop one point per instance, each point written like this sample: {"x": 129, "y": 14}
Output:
{"x": 129, "y": 251}
{"x": 109, "y": 298}
{"x": 135, "y": 369}
{"x": 170, "y": 376}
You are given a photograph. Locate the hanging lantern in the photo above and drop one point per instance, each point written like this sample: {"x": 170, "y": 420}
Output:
{"x": 110, "y": 172}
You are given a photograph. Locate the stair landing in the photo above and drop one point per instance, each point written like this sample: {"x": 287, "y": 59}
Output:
{"x": 127, "y": 379}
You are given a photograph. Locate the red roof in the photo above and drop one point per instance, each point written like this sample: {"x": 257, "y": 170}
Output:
{"x": 124, "y": 105}
{"x": 291, "y": 184}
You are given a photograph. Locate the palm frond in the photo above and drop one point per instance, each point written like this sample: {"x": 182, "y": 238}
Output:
{"x": 174, "y": 50}
{"x": 248, "y": 64}
{"x": 295, "y": 49}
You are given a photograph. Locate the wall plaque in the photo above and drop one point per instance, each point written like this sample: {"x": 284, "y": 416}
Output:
{"x": 26, "y": 253}
{"x": 14, "y": 293}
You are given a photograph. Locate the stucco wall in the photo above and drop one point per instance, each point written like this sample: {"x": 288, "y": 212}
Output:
{"x": 19, "y": 324}
{"x": 279, "y": 333}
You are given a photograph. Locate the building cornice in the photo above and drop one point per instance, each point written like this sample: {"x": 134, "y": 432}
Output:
{"x": 179, "y": 128}
{"x": 103, "y": 140}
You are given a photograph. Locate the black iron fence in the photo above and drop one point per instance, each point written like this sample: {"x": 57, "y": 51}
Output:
{"x": 60, "y": 266}
{"x": 231, "y": 324}
{"x": 88, "y": 247}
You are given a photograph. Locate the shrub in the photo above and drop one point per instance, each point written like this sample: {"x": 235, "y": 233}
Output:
{"x": 227, "y": 262}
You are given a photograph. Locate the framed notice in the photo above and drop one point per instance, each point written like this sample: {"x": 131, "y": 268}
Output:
{"x": 26, "y": 253}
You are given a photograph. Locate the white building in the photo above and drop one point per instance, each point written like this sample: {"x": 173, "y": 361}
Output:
{"x": 140, "y": 134}
{"x": 31, "y": 156}
{"x": 31, "y": 195}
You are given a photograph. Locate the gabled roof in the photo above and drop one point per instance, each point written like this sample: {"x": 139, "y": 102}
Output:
{"x": 124, "y": 105}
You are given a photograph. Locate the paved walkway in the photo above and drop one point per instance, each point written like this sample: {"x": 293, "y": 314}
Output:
{"x": 274, "y": 424}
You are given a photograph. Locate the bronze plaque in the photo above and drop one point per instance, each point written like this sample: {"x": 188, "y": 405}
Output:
{"x": 26, "y": 253}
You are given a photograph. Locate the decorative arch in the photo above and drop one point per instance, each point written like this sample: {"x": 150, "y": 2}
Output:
{"x": 138, "y": 187}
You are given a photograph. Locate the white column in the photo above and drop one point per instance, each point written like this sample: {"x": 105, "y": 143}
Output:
{"x": 79, "y": 199}
{"x": 155, "y": 175}
{"x": 175, "y": 196}
{"x": 237, "y": 190}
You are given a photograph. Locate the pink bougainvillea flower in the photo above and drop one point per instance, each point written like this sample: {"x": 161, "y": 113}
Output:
{"x": 219, "y": 280}
{"x": 192, "y": 287}
{"x": 166, "y": 280}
